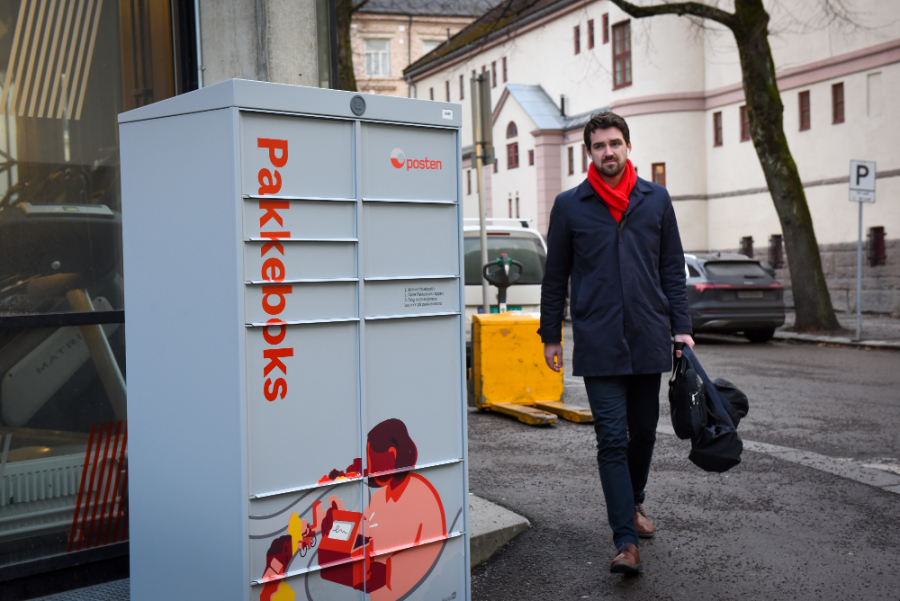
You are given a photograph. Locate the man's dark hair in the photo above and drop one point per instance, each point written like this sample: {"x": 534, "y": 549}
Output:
{"x": 605, "y": 120}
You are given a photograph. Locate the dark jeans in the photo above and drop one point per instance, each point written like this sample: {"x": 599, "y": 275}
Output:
{"x": 626, "y": 409}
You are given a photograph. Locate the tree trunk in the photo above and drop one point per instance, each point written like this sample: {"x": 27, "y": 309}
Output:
{"x": 812, "y": 302}
{"x": 346, "y": 75}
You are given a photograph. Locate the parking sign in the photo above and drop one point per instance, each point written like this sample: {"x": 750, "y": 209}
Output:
{"x": 862, "y": 181}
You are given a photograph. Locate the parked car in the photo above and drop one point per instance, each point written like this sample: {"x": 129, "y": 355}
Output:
{"x": 731, "y": 293}
{"x": 521, "y": 242}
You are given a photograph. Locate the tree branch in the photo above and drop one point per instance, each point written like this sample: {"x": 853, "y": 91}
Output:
{"x": 695, "y": 9}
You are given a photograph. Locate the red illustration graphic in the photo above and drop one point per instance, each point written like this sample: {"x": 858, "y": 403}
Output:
{"x": 404, "y": 513}
{"x": 101, "y": 509}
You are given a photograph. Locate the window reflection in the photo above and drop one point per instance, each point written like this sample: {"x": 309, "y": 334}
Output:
{"x": 67, "y": 69}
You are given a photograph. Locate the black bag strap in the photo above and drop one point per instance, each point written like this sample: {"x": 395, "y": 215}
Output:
{"x": 712, "y": 394}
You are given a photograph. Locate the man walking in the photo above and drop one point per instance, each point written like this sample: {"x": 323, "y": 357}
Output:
{"x": 616, "y": 236}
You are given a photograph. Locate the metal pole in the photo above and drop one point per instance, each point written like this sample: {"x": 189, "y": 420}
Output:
{"x": 859, "y": 277}
{"x": 478, "y": 153}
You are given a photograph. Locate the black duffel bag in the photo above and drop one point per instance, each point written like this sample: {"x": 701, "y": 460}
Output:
{"x": 717, "y": 447}
{"x": 687, "y": 399}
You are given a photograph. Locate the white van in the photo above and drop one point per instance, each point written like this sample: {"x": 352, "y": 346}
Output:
{"x": 521, "y": 242}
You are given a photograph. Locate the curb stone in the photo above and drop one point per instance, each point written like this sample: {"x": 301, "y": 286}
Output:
{"x": 491, "y": 527}
{"x": 842, "y": 340}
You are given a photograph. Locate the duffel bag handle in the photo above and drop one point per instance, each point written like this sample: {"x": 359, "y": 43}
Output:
{"x": 677, "y": 363}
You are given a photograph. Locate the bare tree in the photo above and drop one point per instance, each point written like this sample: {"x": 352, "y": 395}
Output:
{"x": 344, "y": 10}
{"x": 749, "y": 23}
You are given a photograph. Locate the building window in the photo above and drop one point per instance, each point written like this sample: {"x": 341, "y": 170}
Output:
{"x": 496, "y": 162}
{"x": 429, "y": 45}
{"x": 531, "y": 157}
{"x": 447, "y": 89}
{"x": 512, "y": 155}
{"x": 510, "y": 207}
{"x": 378, "y": 58}
{"x": 473, "y": 74}
{"x": 621, "y": 55}
{"x": 606, "y": 28}
{"x": 511, "y": 131}
{"x": 837, "y": 103}
{"x": 517, "y": 207}
{"x": 659, "y": 173}
{"x": 584, "y": 158}
{"x": 468, "y": 181}
{"x": 875, "y": 249}
{"x": 504, "y": 70}
{"x": 590, "y": 34}
{"x": 431, "y": 93}
{"x": 745, "y": 124}
{"x": 571, "y": 152}
{"x": 462, "y": 87}
{"x": 717, "y": 128}
{"x": 804, "y": 110}
{"x": 578, "y": 39}
{"x": 776, "y": 251}
{"x": 493, "y": 74}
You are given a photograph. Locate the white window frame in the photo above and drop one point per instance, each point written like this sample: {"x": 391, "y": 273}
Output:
{"x": 377, "y": 60}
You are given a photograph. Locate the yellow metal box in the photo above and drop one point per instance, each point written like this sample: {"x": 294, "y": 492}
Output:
{"x": 508, "y": 361}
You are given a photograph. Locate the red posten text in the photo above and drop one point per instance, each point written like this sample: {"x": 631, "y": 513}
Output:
{"x": 274, "y": 295}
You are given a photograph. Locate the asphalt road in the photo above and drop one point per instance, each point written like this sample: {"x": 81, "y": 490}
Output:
{"x": 767, "y": 529}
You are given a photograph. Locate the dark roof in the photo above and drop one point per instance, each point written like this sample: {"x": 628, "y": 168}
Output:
{"x": 502, "y": 19}
{"x": 430, "y": 8}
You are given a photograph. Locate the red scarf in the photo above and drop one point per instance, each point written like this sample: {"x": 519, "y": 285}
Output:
{"x": 616, "y": 199}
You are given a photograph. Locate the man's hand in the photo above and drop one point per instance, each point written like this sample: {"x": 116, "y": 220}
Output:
{"x": 685, "y": 338}
{"x": 553, "y": 355}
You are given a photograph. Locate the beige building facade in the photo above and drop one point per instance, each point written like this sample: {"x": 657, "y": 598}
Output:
{"x": 388, "y": 36}
{"x": 679, "y": 86}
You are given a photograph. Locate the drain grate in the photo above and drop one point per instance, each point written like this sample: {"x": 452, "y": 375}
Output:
{"x": 109, "y": 591}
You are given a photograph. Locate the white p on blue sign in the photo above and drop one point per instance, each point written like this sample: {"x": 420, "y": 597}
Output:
{"x": 862, "y": 181}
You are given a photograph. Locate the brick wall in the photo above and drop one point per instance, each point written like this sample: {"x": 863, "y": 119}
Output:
{"x": 880, "y": 285}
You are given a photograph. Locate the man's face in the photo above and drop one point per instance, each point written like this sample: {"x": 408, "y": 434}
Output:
{"x": 609, "y": 151}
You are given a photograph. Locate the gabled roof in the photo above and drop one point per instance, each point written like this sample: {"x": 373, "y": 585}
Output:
{"x": 541, "y": 109}
{"x": 498, "y": 22}
{"x": 429, "y": 8}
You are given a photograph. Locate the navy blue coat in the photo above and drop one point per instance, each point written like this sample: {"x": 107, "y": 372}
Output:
{"x": 628, "y": 281}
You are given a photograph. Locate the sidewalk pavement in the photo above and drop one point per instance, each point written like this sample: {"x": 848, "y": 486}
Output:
{"x": 491, "y": 527}
{"x": 878, "y": 332}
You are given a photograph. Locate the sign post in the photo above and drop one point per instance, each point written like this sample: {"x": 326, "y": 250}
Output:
{"x": 482, "y": 154}
{"x": 862, "y": 189}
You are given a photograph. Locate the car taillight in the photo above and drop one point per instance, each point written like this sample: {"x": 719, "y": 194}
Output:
{"x": 700, "y": 288}
{"x": 775, "y": 285}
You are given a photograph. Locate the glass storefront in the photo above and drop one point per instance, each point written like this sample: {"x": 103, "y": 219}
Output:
{"x": 67, "y": 69}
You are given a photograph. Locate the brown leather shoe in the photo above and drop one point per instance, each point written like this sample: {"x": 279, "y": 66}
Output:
{"x": 628, "y": 561}
{"x": 643, "y": 526}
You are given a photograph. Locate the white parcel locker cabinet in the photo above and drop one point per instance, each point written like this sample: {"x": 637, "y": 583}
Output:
{"x": 293, "y": 283}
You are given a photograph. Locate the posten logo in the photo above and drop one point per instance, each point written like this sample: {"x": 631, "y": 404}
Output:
{"x": 398, "y": 159}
